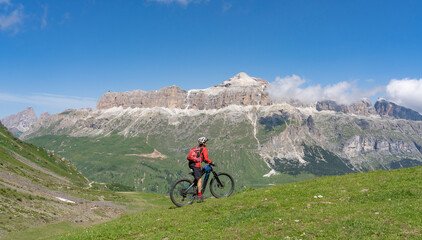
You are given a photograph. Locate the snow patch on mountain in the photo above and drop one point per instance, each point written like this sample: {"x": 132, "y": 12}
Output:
{"x": 241, "y": 80}
{"x": 236, "y": 83}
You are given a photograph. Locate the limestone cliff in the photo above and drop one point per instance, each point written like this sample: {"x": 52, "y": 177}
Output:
{"x": 362, "y": 107}
{"x": 239, "y": 90}
{"x": 20, "y": 122}
{"x": 387, "y": 108}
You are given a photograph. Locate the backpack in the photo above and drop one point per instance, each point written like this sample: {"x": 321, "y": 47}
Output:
{"x": 194, "y": 154}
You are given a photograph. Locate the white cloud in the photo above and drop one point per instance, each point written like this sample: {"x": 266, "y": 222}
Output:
{"x": 289, "y": 87}
{"x": 50, "y": 100}
{"x": 406, "y": 92}
{"x": 10, "y": 20}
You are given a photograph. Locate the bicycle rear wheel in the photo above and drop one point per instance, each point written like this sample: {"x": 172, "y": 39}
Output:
{"x": 222, "y": 185}
{"x": 180, "y": 193}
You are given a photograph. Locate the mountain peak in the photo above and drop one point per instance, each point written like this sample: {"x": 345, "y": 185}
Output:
{"x": 243, "y": 75}
{"x": 20, "y": 122}
{"x": 243, "y": 80}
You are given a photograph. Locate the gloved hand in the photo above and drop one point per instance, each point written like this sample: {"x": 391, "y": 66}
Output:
{"x": 212, "y": 164}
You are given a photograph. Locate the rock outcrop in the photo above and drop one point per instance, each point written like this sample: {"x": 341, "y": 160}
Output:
{"x": 20, "y": 122}
{"x": 387, "y": 108}
{"x": 363, "y": 107}
{"x": 360, "y": 145}
{"x": 240, "y": 90}
{"x": 168, "y": 97}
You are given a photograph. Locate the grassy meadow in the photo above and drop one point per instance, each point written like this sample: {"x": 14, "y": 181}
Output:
{"x": 374, "y": 205}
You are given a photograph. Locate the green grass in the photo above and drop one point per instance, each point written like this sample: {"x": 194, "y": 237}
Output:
{"x": 143, "y": 201}
{"x": 44, "y": 231}
{"x": 25, "y": 206}
{"x": 133, "y": 201}
{"x": 374, "y": 205}
{"x": 11, "y": 146}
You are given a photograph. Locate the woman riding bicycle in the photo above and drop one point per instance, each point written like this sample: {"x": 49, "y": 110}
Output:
{"x": 183, "y": 192}
{"x": 196, "y": 165}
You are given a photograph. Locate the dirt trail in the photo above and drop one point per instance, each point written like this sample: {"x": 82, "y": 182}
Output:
{"x": 46, "y": 205}
{"x": 56, "y": 207}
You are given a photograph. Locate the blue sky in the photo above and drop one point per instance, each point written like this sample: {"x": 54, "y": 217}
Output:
{"x": 65, "y": 54}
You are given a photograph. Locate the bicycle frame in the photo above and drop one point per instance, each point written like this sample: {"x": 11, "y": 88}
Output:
{"x": 205, "y": 182}
{"x": 184, "y": 190}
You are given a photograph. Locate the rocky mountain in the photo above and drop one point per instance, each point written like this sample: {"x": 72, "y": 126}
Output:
{"x": 20, "y": 122}
{"x": 387, "y": 108}
{"x": 381, "y": 107}
{"x": 257, "y": 140}
{"x": 363, "y": 107}
{"x": 240, "y": 90}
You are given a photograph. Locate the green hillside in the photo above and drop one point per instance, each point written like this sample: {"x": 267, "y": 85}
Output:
{"x": 118, "y": 158}
{"x": 38, "y": 187}
{"x": 373, "y": 205}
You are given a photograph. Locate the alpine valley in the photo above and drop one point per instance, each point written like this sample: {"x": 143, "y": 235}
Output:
{"x": 141, "y": 139}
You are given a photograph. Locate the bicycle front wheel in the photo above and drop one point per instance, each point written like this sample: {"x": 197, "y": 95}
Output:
{"x": 182, "y": 193}
{"x": 222, "y": 185}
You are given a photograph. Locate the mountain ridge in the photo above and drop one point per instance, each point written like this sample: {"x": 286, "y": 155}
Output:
{"x": 271, "y": 138}
{"x": 260, "y": 142}
{"x": 239, "y": 90}
{"x": 20, "y": 122}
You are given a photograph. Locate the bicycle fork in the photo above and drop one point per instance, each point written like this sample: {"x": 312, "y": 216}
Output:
{"x": 219, "y": 183}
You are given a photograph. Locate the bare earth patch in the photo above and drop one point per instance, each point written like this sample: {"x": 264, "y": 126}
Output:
{"x": 156, "y": 154}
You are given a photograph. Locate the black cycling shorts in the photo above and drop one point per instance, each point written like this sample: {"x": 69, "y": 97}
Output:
{"x": 196, "y": 170}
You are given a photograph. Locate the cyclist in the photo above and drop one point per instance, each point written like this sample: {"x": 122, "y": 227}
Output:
{"x": 196, "y": 165}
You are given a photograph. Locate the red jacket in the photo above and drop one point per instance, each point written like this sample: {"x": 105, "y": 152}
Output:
{"x": 203, "y": 157}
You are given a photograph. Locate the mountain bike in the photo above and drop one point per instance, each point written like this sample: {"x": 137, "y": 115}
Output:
{"x": 184, "y": 191}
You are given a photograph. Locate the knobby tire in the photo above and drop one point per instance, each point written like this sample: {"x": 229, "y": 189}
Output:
{"x": 177, "y": 194}
{"x": 224, "y": 190}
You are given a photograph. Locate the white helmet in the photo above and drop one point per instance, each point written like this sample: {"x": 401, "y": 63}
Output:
{"x": 202, "y": 140}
